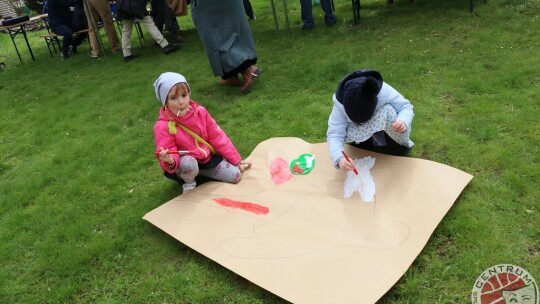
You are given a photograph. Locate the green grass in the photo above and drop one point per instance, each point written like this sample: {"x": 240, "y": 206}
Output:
{"x": 78, "y": 172}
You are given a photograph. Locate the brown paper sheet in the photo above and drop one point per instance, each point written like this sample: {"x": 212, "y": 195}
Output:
{"x": 314, "y": 246}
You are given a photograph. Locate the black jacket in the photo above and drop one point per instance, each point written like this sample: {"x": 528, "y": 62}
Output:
{"x": 59, "y": 12}
{"x": 131, "y": 9}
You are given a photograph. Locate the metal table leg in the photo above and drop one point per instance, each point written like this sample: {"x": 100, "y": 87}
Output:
{"x": 272, "y": 4}
{"x": 13, "y": 33}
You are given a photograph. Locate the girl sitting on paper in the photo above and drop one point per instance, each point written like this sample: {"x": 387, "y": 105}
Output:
{"x": 369, "y": 114}
{"x": 185, "y": 126}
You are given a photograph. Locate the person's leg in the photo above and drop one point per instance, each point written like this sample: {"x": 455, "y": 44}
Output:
{"x": 230, "y": 80}
{"x": 173, "y": 176}
{"x": 306, "y": 12}
{"x": 249, "y": 75}
{"x": 148, "y": 23}
{"x": 79, "y": 38}
{"x": 249, "y": 72}
{"x": 188, "y": 169}
{"x": 92, "y": 36}
{"x": 393, "y": 148}
{"x": 329, "y": 17}
{"x": 67, "y": 34}
{"x": 171, "y": 24}
{"x": 224, "y": 172}
{"x": 366, "y": 145}
{"x": 158, "y": 13}
{"x": 239, "y": 69}
{"x": 103, "y": 10}
{"x": 127, "y": 25}
{"x": 249, "y": 9}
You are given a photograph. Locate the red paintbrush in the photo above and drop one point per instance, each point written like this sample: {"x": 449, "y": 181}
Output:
{"x": 182, "y": 152}
{"x": 349, "y": 160}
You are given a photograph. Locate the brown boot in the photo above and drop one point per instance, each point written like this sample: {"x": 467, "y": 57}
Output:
{"x": 250, "y": 74}
{"x": 233, "y": 82}
{"x": 248, "y": 80}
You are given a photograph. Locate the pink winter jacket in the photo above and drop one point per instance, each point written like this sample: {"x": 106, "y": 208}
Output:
{"x": 199, "y": 121}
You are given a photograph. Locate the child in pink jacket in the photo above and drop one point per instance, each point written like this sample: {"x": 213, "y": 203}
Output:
{"x": 189, "y": 142}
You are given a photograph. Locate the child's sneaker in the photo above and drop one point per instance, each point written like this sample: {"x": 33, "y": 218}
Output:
{"x": 186, "y": 187}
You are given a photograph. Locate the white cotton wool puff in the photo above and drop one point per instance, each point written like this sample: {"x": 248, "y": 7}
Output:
{"x": 362, "y": 183}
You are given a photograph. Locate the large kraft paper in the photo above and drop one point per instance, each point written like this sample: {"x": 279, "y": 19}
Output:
{"x": 313, "y": 245}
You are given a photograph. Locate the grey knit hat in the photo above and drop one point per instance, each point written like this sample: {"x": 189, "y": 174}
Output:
{"x": 165, "y": 82}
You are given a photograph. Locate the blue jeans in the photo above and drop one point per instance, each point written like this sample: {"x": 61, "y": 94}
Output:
{"x": 307, "y": 12}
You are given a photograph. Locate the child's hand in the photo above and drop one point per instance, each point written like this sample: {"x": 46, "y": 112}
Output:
{"x": 243, "y": 165}
{"x": 345, "y": 165}
{"x": 167, "y": 158}
{"x": 399, "y": 126}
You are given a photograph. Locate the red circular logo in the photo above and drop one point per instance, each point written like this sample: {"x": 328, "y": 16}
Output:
{"x": 505, "y": 284}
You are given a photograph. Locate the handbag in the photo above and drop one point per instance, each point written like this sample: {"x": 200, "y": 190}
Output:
{"x": 129, "y": 9}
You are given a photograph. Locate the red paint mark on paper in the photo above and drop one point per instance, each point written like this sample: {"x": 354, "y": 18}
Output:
{"x": 279, "y": 170}
{"x": 251, "y": 207}
{"x": 298, "y": 169}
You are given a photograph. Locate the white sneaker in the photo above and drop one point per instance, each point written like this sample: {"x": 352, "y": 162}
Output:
{"x": 186, "y": 187}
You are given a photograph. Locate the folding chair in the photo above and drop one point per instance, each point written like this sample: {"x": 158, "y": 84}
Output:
{"x": 51, "y": 39}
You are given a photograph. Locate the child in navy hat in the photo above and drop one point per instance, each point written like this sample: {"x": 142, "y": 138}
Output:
{"x": 369, "y": 114}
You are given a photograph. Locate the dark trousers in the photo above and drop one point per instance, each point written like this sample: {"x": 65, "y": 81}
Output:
{"x": 391, "y": 148}
{"x": 306, "y": 12}
{"x": 67, "y": 33}
{"x": 249, "y": 9}
{"x": 163, "y": 16}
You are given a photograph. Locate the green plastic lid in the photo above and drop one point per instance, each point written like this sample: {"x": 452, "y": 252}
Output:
{"x": 303, "y": 164}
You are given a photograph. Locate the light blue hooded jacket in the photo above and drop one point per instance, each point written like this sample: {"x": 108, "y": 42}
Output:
{"x": 338, "y": 121}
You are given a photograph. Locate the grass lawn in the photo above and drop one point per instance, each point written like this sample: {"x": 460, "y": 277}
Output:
{"x": 78, "y": 171}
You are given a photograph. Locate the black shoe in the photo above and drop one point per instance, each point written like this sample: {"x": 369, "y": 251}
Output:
{"x": 331, "y": 23}
{"x": 73, "y": 49}
{"x": 64, "y": 55}
{"x": 130, "y": 57}
{"x": 307, "y": 27}
{"x": 170, "y": 48}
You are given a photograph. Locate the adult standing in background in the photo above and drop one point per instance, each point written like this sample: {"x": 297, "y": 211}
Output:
{"x": 306, "y": 11}
{"x": 128, "y": 12}
{"x": 225, "y": 33}
{"x": 102, "y": 9}
{"x": 164, "y": 13}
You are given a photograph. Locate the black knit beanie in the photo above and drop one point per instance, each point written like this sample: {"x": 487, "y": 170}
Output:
{"x": 360, "y": 98}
